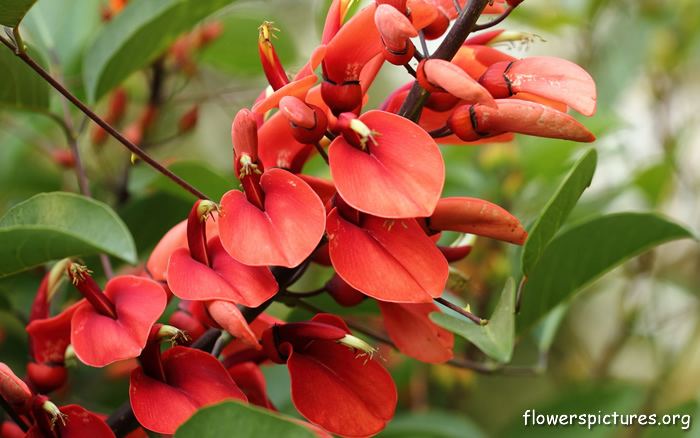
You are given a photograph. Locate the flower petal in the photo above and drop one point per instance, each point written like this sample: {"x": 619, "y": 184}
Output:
{"x": 391, "y": 260}
{"x": 401, "y": 176}
{"x": 284, "y": 234}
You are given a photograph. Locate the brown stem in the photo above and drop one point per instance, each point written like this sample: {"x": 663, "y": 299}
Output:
{"x": 463, "y": 26}
{"x": 103, "y": 124}
{"x": 467, "y": 314}
{"x": 492, "y": 23}
{"x": 321, "y": 151}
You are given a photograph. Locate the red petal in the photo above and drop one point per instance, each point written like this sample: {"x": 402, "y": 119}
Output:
{"x": 556, "y": 79}
{"x": 455, "y": 81}
{"x": 476, "y": 59}
{"x": 530, "y": 118}
{"x": 12, "y": 388}
{"x": 352, "y": 47}
{"x": 404, "y": 170}
{"x": 297, "y": 88}
{"x": 230, "y": 318}
{"x": 284, "y": 234}
{"x": 415, "y": 335}
{"x": 81, "y": 423}
{"x": 391, "y": 260}
{"x": 227, "y": 279}
{"x": 341, "y": 392}
{"x": 99, "y": 340}
{"x": 277, "y": 146}
{"x": 174, "y": 239}
{"x": 50, "y": 337}
{"x": 476, "y": 216}
{"x": 195, "y": 379}
{"x": 251, "y": 381}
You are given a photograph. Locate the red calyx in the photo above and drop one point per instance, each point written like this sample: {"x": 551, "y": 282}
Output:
{"x": 496, "y": 80}
{"x": 343, "y": 97}
{"x": 308, "y": 122}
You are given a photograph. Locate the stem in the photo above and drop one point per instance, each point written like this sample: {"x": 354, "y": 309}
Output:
{"x": 413, "y": 105}
{"x": 475, "y": 319}
{"x": 492, "y": 23}
{"x": 441, "y": 132}
{"x": 103, "y": 124}
{"x": 15, "y": 417}
{"x": 321, "y": 151}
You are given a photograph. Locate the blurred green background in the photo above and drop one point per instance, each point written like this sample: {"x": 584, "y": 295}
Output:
{"x": 630, "y": 343}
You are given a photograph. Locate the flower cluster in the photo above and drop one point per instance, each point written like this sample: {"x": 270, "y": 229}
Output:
{"x": 376, "y": 223}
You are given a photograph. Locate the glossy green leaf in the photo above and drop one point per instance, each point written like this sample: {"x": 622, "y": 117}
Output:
{"x": 231, "y": 419}
{"x": 56, "y": 225}
{"x": 20, "y": 87}
{"x": 586, "y": 251}
{"x": 495, "y": 339}
{"x": 12, "y": 11}
{"x": 557, "y": 209}
{"x": 137, "y": 36}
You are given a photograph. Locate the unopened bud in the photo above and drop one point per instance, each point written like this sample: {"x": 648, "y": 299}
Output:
{"x": 396, "y": 31}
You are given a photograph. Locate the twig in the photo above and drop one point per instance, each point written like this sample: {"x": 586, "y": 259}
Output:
{"x": 454, "y": 39}
{"x": 467, "y": 314}
{"x": 321, "y": 151}
{"x": 494, "y": 22}
{"x": 103, "y": 124}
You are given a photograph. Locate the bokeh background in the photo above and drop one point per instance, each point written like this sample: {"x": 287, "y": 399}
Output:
{"x": 629, "y": 343}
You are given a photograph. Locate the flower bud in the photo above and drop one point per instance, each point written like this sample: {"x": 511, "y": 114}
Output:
{"x": 343, "y": 293}
{"x": 308, "y": 122}
{"x": 13, "y": 389}
{"x": 438, "y": 27}
{"x": 341, "y": 98}
{"x": 188, "y": 120}
{"x": 46, "y": 378}
{"x": 396, "y": 31}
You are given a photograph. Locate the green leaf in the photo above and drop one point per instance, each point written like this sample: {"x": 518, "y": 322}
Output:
{"x": 20, "y": 87}
{"x": 137, "y": 36}
{"x": 495, "y": 339}
{"x": 55, "y": 225}
{"x": 209, "y": 181}
{"x": 12, "y": 11}
{"x": 557, "y": 209}
{"x": 588, "y": 250}
{"x": 432, "y": 424}
{"x": 230, "y": 419}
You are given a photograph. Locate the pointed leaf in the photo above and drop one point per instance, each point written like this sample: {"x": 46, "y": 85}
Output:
{"x": 12, "y": 11}
{"x": 55, "y": 225}
{"x": 588, "y": 250}
{"x": 240, "y": 420}
{"x": 137, "y": 36}
{"x": 496, "y": 338}
{"x": 557, "y": 209}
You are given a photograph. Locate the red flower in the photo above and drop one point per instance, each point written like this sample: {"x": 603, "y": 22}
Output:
{"x": 73, "y": 421}
{"x": 205, "y": 271}
{"x": 278, "y": 219}
{"x": 333, "y": 386}
{"x": 169, "y": 387}
{"x": 391, "y": 260}
{"x": 115, "y": 325}
{"x": 387, "y": 166}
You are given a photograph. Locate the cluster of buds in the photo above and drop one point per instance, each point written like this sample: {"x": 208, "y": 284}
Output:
{"x": 376, "y": 223}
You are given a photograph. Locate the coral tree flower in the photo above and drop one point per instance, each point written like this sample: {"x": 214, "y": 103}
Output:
{"x": 390, "y": 260}
{"x": 204, "y": 270}
{"x": 113, "y": 325}
{"x": 335, "y": 383}
{"x": 169, "y": 387}
{"x": 387, "y": 166}
{"x": 278, "y": 219}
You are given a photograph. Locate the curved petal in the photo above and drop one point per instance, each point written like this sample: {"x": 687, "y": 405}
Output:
{"x": 358, "y": 396}
{"x": 227, "y": 279}
{"x": 284, "y": 234}
{"x": 390, "y": 260}
{"x": 99, "y": 340}
{"x": 81, "y": 423}
{"x": 557, "y": 79}
{"x": 457, "y": 82}
{"x": 194, "y": 379}
{"x": 277, "y": 146}
{"x": 297, "y": 88}
{"x": 401, "y": 176}
{"x": 530, "y": 118}
{"x": 251, "y": 381}
{"x": 475, "y": 59}
{"x": 230, "y": 318}
{"x": 476, "y": 216}
{"x": 415, "y": 335}
{"x": 175, "y": 238}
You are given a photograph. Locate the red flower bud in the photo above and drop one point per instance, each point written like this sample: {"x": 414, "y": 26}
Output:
{"x": 15, "y": 392}
{"x": 343, "y": 293}
{"x": 46, "y": 378}
{"x": 396, "y": 31}
{"x": 188, "y": 120}
{"x": 438, "y": 27}
{"x": 308, "y": 122}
